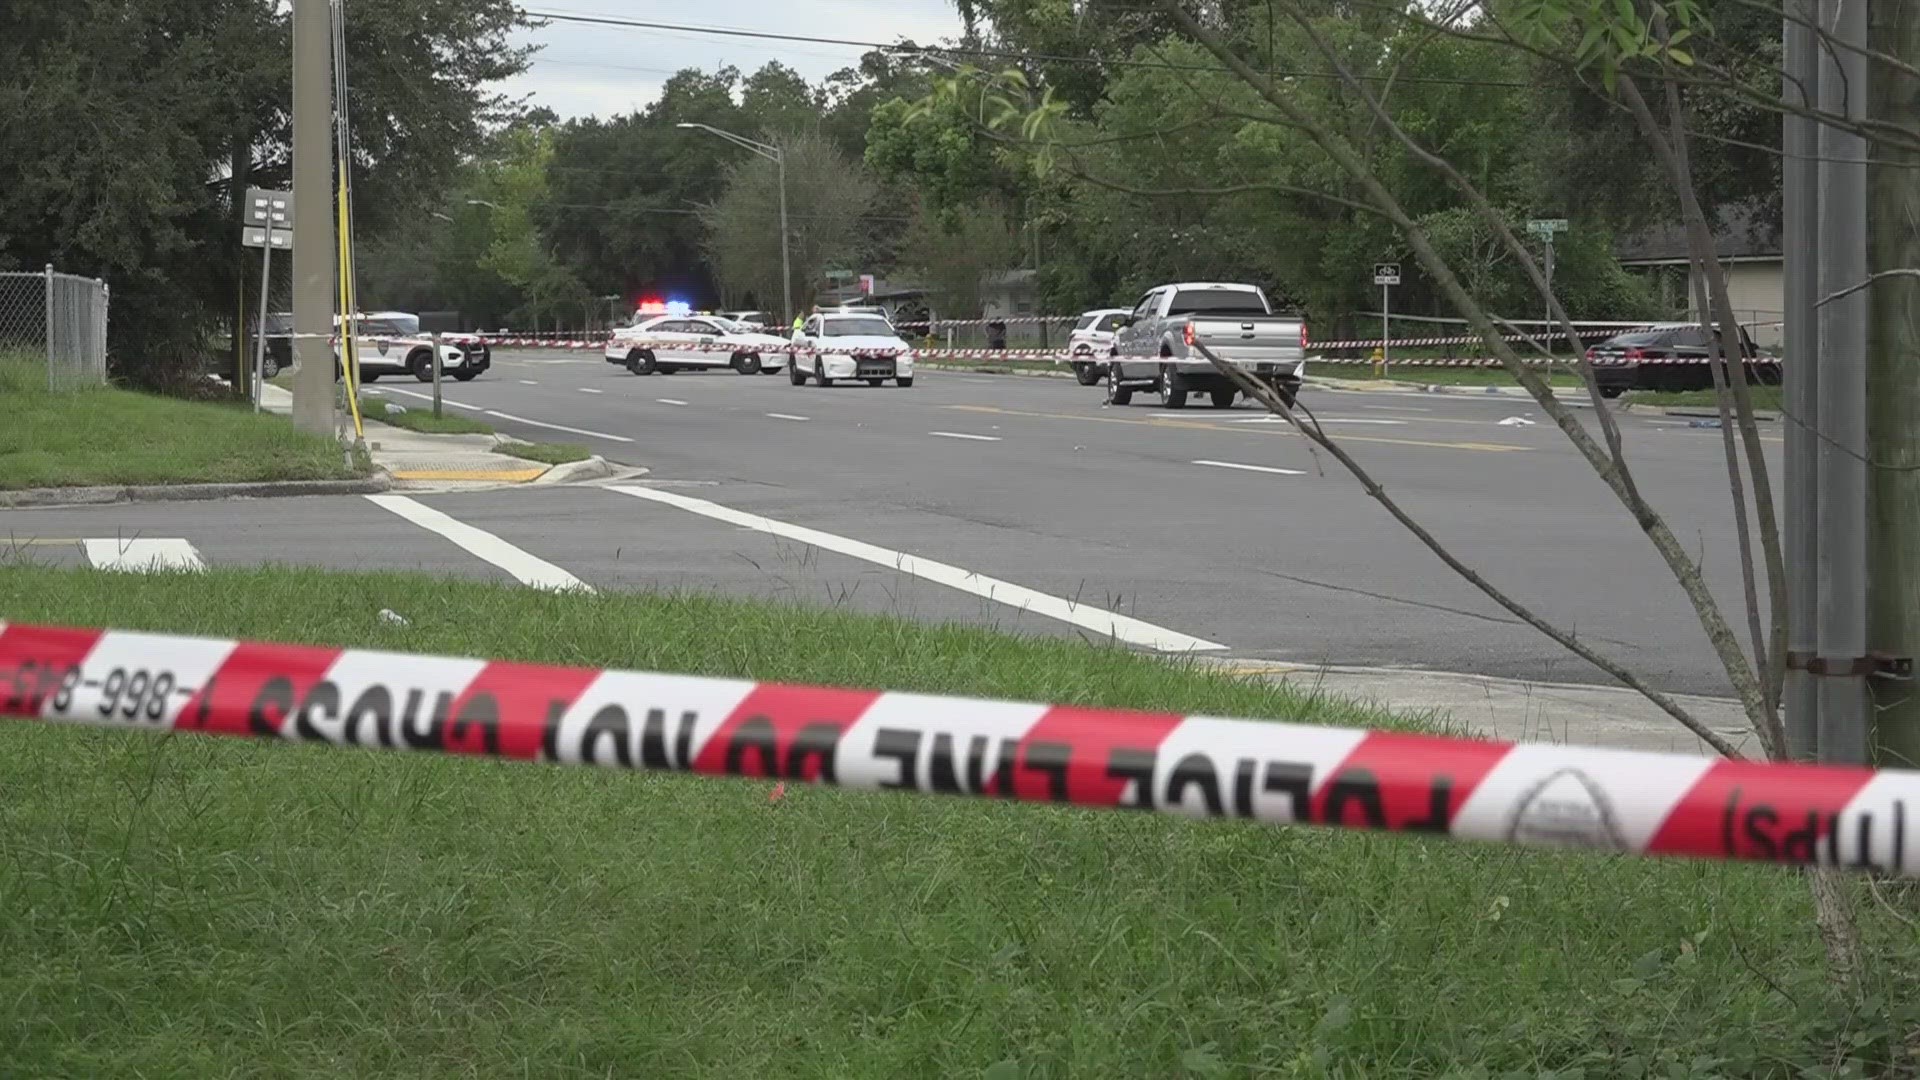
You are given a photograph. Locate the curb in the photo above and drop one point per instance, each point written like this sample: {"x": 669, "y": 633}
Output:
{"x": 1704, "y": 412}
{"x": 996, "y": 371}
{"x": 265, "y": 489}
{"x": 593, "y": 468}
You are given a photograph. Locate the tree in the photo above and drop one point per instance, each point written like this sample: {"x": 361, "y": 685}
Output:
{"x": 953, "y": 251}
{"x": 828, "y": 201}
{"x": 131, "y": 126}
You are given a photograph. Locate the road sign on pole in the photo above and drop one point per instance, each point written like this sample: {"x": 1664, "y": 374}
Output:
{"x": 1386, "y": 273}
{"x": 267, "y": 224}
{"x": 1546, "y": 227}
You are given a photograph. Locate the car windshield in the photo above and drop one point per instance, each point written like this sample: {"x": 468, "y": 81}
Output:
{"x": 1217, "y": 302}
{"x": 1111, "y": 322}
{"x": 856, "y": 327}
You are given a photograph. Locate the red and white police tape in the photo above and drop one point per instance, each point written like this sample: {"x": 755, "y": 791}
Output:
{"x": 1530, "y": 794}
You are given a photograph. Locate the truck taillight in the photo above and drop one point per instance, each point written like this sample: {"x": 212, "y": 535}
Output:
{"x": 1187, "y": 332}
{"x": 1303, "y": 335}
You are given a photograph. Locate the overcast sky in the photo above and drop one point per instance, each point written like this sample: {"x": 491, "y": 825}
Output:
{"x": 586, "y": 70}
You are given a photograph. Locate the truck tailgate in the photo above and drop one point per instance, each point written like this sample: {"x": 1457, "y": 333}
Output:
{"x": 1252, "y": 339}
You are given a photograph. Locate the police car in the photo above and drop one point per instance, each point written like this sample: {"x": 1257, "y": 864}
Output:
{"x": 849, "y": 345}
{"x": 670, "y": 343}
{"x": 390, "y": 343}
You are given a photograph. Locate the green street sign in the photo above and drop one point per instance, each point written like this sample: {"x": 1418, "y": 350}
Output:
{"x": 1547, "y": 226}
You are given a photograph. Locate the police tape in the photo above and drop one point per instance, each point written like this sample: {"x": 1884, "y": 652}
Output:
{"x": 1610, "y": 330}
{"x": 1282, "y": 773}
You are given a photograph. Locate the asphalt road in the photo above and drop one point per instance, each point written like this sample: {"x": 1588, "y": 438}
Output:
{"x": 1224, "y": 527}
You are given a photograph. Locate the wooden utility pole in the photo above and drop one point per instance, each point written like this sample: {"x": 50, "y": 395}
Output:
{"x": 313, "y": 237}
{"x": 1893, "y": 380}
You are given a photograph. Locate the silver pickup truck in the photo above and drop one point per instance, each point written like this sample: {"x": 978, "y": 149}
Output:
{"x": 1153, "y": 348}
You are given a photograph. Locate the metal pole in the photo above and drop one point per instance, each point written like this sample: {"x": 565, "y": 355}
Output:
{"x": 1385, "y": 332}
{"x": 49, "y": 297}
{"x": 436, "y": 374}
{"x": 1841, "y": 567}
{"x": 313, "y": 266}
{"x": 1800, "y": 210}
{"x": 1893, "y": 390}
{"x": 1548, "y": 329}
{"x": 786, "y": 265}
{"x": 258, "y": 382}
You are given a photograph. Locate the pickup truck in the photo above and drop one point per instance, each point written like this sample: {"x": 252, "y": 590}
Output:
{"x": 1153, "y": 347}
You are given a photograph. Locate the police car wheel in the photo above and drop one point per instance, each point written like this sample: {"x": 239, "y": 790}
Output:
{"x": 794, "y": 374}
{"x": 466, "y": 376}
{"x": 905, "y": 381}
{"x": 747, "y": 364}
{"x": 369, "y": 376}
{"x": 269, "y": 367}
{"x": 421, "y": 364}
{"x": 640, "y": 362}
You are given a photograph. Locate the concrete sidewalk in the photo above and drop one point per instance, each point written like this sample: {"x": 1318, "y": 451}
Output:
{"x": 1520, "y": 711}
{"x": 418, "y": 460}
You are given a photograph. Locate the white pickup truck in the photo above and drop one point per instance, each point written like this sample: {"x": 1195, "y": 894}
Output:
{"x": 1153, "y": 347}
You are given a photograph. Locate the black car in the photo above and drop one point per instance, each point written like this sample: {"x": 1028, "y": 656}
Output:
{"x": 1670, "y": 357}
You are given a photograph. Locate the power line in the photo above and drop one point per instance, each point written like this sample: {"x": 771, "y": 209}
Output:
{"x": 997, "y": 54}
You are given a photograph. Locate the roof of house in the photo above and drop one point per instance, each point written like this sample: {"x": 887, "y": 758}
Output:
{"x": 1741, "y": 231}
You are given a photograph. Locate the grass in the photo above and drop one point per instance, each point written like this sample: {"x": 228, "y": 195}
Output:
{"x": 1443, "y": 376}
{"x": 1764, "y": 397}
{"x": 196, "y": 907}
{"x": 550, "y": 453}
{"x": 421, "y": 419}
{"x": 111, "y": 436}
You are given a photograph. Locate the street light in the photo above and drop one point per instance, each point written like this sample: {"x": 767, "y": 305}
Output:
{"x": 779, "y": 158}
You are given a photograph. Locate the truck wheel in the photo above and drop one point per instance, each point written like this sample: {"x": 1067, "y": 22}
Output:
{"x": 1174, "y": 386}
{"x": 269, "y": 366}
{"x": 1223, "y": 399}
{"x": 1117, "y": 394}
{"x": 641, "y": 362}
{"x": 747, "y": 364}
{"x": 1287, "y": 394}
{"x": 421, "y": 364}
{"x": 794, "y": 374}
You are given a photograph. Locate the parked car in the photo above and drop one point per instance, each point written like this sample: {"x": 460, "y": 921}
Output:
{"x": 670, "y": 343}
{"x": 1670, "y": 357}
{"x": 835, "y": 345}
{"x": 1153, "y": 348}
{"x": 1091, "y": 341}
{"x": 753, "y": 321}
{"x": 391, "y": 343}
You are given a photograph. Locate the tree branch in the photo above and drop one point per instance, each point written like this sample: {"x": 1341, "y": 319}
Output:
{"x": 1878, "y": 276}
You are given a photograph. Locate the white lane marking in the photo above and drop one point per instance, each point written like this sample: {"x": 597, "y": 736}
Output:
{"x": 669, "y": 401}
{"x": 1250, "y": 468}
{"x": 1100, "y": 621}
{"x": 429, "y": 397}
{"x": 141, "y": 556}
{"x": 589, "y": 390}
{"x": 377, "y": 393}
{"x": 786, "y": 416}
{"x": 1397, "y": 408}
{"x": 964, "y": 435}
{"x": 1326, "y": 420}
{"x": 557, "y": 427}
{"x": 528, "y": 568}
{"x": 528, "y": 382}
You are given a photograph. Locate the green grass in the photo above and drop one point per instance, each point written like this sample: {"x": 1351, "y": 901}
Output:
{"x": 199, "y": 907}
{"x": 550, "y": 453}
{"x": 1764, "y": 397}
{"x": 111, "y": 436}
{"x": 421, "y": 418}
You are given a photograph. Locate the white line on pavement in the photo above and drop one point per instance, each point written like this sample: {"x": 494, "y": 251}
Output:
{"x": 429, "y": 397}
{"x": 1250, "y": 468}
{"x": 1326, "y": 420}
{"x": 142, "y": 556}
{"x": 528, "y": 382}
{"x": 1098, "y": 620}
{"x": 964, "y": 435}
{"x": 557, "y": 427}
{"x": 669, "y": 401}
{"x": 528, "y": 568}
{"x": 589, "y": 390}
{"x": 1397, "y": 408}
{"x": 786, "y": 416}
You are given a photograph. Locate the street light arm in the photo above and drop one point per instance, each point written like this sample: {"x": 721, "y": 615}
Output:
{"x": 765, "y": 150}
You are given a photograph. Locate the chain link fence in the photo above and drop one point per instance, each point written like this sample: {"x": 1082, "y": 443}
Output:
{"x": 58, "y": 320}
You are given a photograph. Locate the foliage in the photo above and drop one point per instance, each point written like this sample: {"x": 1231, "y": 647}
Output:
{"x": 953, "y": 251}
{"x": 828, "y": 198}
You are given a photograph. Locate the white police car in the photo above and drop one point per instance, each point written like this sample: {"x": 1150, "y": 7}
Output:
{"x": 849, "y": 345}
{"x": 670, "y": 343}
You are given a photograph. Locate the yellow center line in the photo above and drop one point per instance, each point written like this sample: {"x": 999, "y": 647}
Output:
{"x": 1492, "y": 448}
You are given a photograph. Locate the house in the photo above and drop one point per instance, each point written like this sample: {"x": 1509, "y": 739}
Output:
{"x": 1746, "y": 239}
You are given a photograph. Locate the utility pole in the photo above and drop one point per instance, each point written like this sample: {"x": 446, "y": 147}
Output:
{"x": 1893, "y": 381}
{"x": 1840, "y": 415}
{"x": 313, "y": 240}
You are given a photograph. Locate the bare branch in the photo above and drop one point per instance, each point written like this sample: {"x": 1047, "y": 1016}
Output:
{"x": 1275, "y": 404}
{"x": 1882, "y": 275}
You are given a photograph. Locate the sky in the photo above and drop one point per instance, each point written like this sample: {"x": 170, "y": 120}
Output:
{"x": 608, "y": 71}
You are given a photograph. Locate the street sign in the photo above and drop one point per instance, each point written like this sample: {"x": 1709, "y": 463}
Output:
{"x": 277, "y": 239}
{"x": 274, "y": 208}
{"x": 1386, "y": 273}
{"x": 1546, "y": 227}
